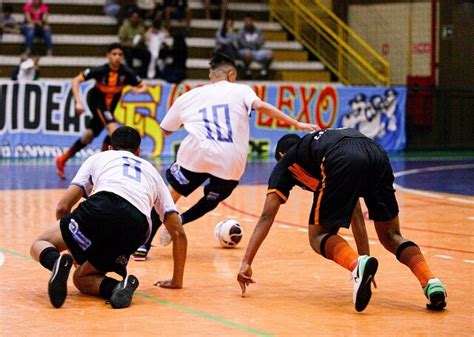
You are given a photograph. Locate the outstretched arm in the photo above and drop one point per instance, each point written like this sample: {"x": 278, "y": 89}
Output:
{"x": 271, "y": 111}
{"x": 77, "y": 93}
{"x": 180, "y": 244}
{"x": 270, "y": 210}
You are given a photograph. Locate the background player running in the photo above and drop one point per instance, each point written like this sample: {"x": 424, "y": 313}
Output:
{"x": 106, "y": 228}
{"x": 216, "y": 116}
{"x": 102, "y": 99}
{"x": 341, "y": 165}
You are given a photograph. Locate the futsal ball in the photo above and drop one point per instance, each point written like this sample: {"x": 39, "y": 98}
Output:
{"x": 228, "y": 232}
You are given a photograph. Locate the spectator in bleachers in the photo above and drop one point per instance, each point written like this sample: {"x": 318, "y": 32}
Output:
{"x": 27, "y": 70}
{"x": 146, "y": 8}
{"x": 175, "y": 58}
{"x": 112, "y": 8}
{"x": 177, "y": 9}
{"x": 250, "y": 42}
{"x": 155, "y": 38}
{"x": 36, "y": 24}
{"x": 226, "y": 39}
{"x": 7, "y": 23}
{"x": 221, "y": 4}
{"x": 132, "y": 39}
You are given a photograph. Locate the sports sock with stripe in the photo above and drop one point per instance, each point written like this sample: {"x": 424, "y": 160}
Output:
{"x": 334, "y": 247}
{"x": 410, "y": 255}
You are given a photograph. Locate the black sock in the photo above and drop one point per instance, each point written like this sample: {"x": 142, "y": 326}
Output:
{"x": 202, "y": 207}
{"x": 107, "y": 287}
{"x": 48, "y": 257}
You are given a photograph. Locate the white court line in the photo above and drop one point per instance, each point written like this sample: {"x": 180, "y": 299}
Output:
{"x": 304, "y": 230}
{"x": 470, "y": 218}
{"x": 468, "y": 261}
{"x": 446, "y": 257}
{"x": 347, "y": 238}
{"x": 433, "y": 169}
{"x": 216, "y": 213}
{"x": 372, "y": 242}
{"x": 462, "y": 201}
{"x": 2, "y": 259}
{"x": 284, "y": 226}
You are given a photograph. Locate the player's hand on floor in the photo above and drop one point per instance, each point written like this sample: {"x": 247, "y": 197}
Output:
{"x": 169, "y": 284}
{"x": 307, "y": 127}
{"x": 245, "y": 277}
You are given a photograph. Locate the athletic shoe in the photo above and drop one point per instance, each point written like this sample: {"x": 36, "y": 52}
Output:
{"x": 165, "y": 237}
{"x": 436, "y": 294}
{"x": 57, "y": 287}
{"x": 141, "y": 253}
{"x": 363, "y": 275}
{"x": 60, "y": 163}
{"x": 123, "y": 292}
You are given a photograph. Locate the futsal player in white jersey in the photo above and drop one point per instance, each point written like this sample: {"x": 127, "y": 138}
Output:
{"x": 216, "y": 116}
{"x": 104, "y": 230}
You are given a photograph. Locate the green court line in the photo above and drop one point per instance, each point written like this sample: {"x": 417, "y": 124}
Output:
{"x": 175, "y": 305}
{"x": 203, "y": 314}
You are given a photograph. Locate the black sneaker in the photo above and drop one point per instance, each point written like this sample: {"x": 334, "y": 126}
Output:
{"x": 363, "y": 275}
{"x": 57, "y": 287}
{"x": 123, "y": 292}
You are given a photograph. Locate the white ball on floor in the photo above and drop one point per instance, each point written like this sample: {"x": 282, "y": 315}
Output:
{"x": 228, "y": 232}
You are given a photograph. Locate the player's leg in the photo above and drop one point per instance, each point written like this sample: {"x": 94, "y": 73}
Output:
{"x": 46, "y": 250}
{"x": 182, "y": 182}
{"x": 409, "y": 254}
{"x": 216, "y": 191}
{"x": 333, "y": 205}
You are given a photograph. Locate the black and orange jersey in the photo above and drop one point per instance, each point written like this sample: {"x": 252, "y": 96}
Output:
{"x": 109, "y": 82}
{"x": 303, "y": 164}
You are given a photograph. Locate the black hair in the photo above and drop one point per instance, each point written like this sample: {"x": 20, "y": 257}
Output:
{"x": 6, "y": 8}
{"x": 126, "y": 138}
{"x": 113, "y": 46}
{"x": 220, "y": 59}
{"x": 285, "y": 143}
{"x": 249, "y": 15}
{"x": 157, "y": 24}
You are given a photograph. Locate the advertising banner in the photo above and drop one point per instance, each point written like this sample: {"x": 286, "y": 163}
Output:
{"x": 38, "y": 119}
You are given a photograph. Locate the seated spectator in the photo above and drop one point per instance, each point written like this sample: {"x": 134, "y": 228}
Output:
{"x": 175, "y": 58}
{"x": 132, "y": 39}
{"x": 28, "y": 70}
{"x": 36, "y": 24}
{"x": 178, "y": 10}
{"x": 155, "y": 38}
{"x": 226, "y": 39}
{"x": 7, "y": 23}
{"x": 112, "y": 8}
{"x": 222, "y": 4}
{"x": 146, "y": 9}
{"x": 250, "y": 42}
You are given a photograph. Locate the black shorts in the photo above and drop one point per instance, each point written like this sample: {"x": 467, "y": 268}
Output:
{"x": 354, "y": 168}
{"x": 185, "y": 182}
{"x": 101, "y": 114}
{"x": 105, "y": 230}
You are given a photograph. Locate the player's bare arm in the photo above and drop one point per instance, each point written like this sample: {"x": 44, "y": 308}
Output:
{"x": 271, "y": 111}
{"x": 180, "y": 244}
{"x": 360, "y": 231}
{"x": 270, "y": 210}
{"x": 77, "y": 93}
{"x": 72, "y": 195}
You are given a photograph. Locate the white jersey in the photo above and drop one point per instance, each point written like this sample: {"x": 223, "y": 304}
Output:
{"x": 216, "y": 116}
{"x": 128, "y": 176}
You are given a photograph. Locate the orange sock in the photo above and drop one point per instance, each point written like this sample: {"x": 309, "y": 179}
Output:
{"x": 412, "y": 257}
{"x": 337, "y": 249}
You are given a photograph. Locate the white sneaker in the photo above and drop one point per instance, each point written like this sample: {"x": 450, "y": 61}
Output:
{"x": 363, "y": 274}
{"x": 165, "y": 237}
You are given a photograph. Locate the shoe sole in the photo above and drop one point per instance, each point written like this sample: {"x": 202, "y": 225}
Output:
{"x": 122, "y": 297}
{"x": 364, "y": 293}
{"x": 139, "y": 258}
{"x": 57, "y": 286}
{"x": 437, "y": 301}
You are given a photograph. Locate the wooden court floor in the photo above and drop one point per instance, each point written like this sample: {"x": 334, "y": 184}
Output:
{"x": 297, "y": 293}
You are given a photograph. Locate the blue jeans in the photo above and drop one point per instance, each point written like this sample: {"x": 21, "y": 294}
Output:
{"x": 30, "y": 34}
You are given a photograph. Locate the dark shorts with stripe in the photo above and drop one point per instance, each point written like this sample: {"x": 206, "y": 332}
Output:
{"x": 105, "y": 230}
{"x": 354, "y": 168}
{"x": 101, "y": 114}
{"x": 185, "y": 182}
